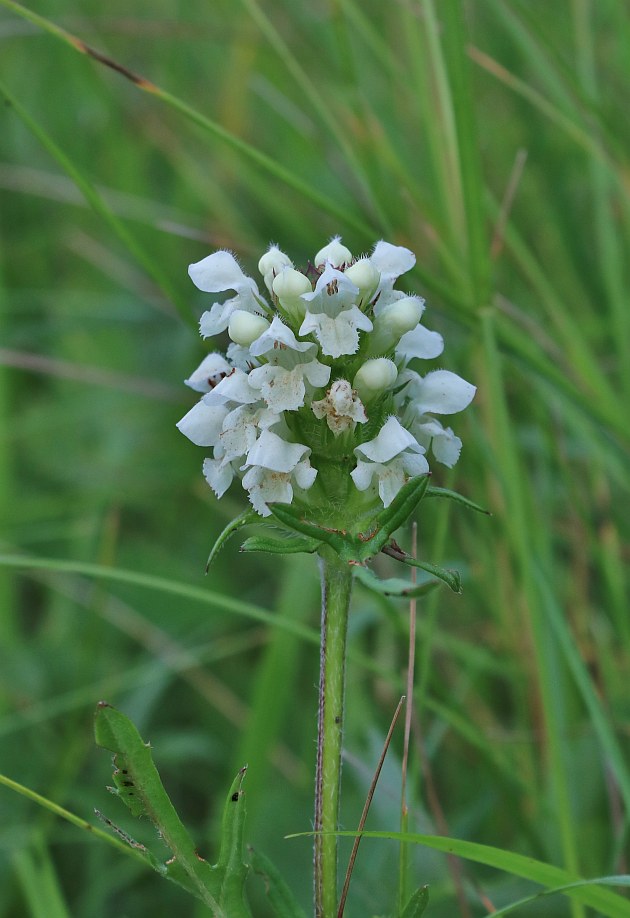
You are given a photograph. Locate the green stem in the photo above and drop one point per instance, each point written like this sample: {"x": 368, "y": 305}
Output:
{"x": 336, "y": 587}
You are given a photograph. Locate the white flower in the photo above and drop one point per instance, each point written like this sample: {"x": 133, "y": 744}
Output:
{"x": 374, "y": 377}
{"x": 333, "y": 316}
{"x": 281, "y": 380}
{"x": 341, "y": 407}
{"x": 209, "y": 373}
{"x": 393, "y": 457}
{"x": 289, "y": 286}
{"x": 276, "y": 464}
{"x": 445, "y": 446}
{"x": 203, "y": 423}
{"x": 241, "y": 358}
{"x": 272, "y": 262}
{"x": 244, "y": 327}
{"x": 334, "y": 254}
{"x": 420, "y": 342}
{"x": 365, "y": 276}
{"x": 391, "y": 261}
{"x": 215, "y": 274}
{"x": 218, "y": 475}
{"x": 234, "y": 388}
{"x": 439, "y": 392}
{"x": 393, "y": 321}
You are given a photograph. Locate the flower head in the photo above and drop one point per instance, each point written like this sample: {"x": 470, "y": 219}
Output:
{"x": 317, "y": 376}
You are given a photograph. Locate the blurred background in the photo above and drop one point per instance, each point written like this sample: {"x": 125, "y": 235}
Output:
{"x": 491, "y": 139}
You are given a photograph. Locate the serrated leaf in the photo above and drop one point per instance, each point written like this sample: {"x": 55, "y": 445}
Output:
{"x": 280, "y": 896}
{"x": 458, "y": 498}
{"x": 451, "y": 578}
{"x": 140, "y": 787}
{"x": 290, "y": 546}
{"x": 417, "y": 904}
{"x": 247, "y": 516}
{"x": 393, "y": 586}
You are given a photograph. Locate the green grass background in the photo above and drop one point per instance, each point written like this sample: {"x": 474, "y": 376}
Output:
{"x": 489, "y": 137}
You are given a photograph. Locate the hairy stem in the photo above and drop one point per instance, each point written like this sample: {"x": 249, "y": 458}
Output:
{"x": 336, "y": 586}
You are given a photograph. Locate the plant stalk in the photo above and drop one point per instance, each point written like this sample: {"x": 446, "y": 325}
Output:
{"x": 336, "y": 578}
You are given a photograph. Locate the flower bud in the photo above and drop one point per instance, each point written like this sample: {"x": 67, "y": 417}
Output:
{"x": 245, "y": 327}
{"x": 394, "y": 321}
{"x": 364, "y": 275}
{"x": 273, "y": 260}
{"x": 374, "y": 377}
{"x": 289, "y": 286}
{"x": 335, "y": 253}
{"x": 272, "y": 263}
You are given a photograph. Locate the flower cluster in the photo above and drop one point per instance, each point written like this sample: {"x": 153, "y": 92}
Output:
{"x": 315, "y": 400}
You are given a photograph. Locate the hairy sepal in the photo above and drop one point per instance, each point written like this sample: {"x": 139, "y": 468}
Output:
{"x": 361, "y": 546}
{"x": 292, "y": 545}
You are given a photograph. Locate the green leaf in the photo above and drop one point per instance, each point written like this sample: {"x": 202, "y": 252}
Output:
{"x": 139, "y": 786}
{"x": 247, "y": 516}
{"x": 294, "y": 519}
{"x": 449, "y": 577}
{"x": 231, "y": 870}
{"x": 289, "y": 546}
{"x": 417, "y": 904}
{"x": 394, "y": 586}
{"x": 458, "y": 498}
{"x": 604, "y": 902}
{"x": 280, "y": 896}
{"x": 396, "y": 515}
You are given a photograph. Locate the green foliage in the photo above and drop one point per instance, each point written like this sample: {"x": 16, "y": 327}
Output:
{"x": 138, "y": 784}
{"x": 416, "y": 906}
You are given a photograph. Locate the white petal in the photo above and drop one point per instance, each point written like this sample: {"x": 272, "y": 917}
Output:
{"x": 265, "y": 486}
{"x": 390, "y": 481}
{"x": 218, "y": 476}
{"x": 218, "y": 272}
{"x": 414, "y": 464}
{"x": 445, "y": 446}
{"x": 234, "y": 388}
{"x": 304, "y": 475}
{"x": 335, "y": 253}
{"x": 210, "y": 371}
{"x": 272, "y": 262}
{"x": 443, "y": 392}
{"x": 203, "y": 423}
{"x": 420, "y": 343}
{"x": 215, "y": 320}
{"x": 339, "y": 335}
{"x": 317, "y": 373}
{"x": 272, "y": 452}
{"x": 333, "y": 292}
{"x": 283, "y": 390}
{"x": 239, "y": 432}
{"x": 362, "y": 475}
{"x": 276, "y": 337}
{"x": 391, "y": 440}
{"x": 392, "y": 260}
{"x": 241, "y": 357}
